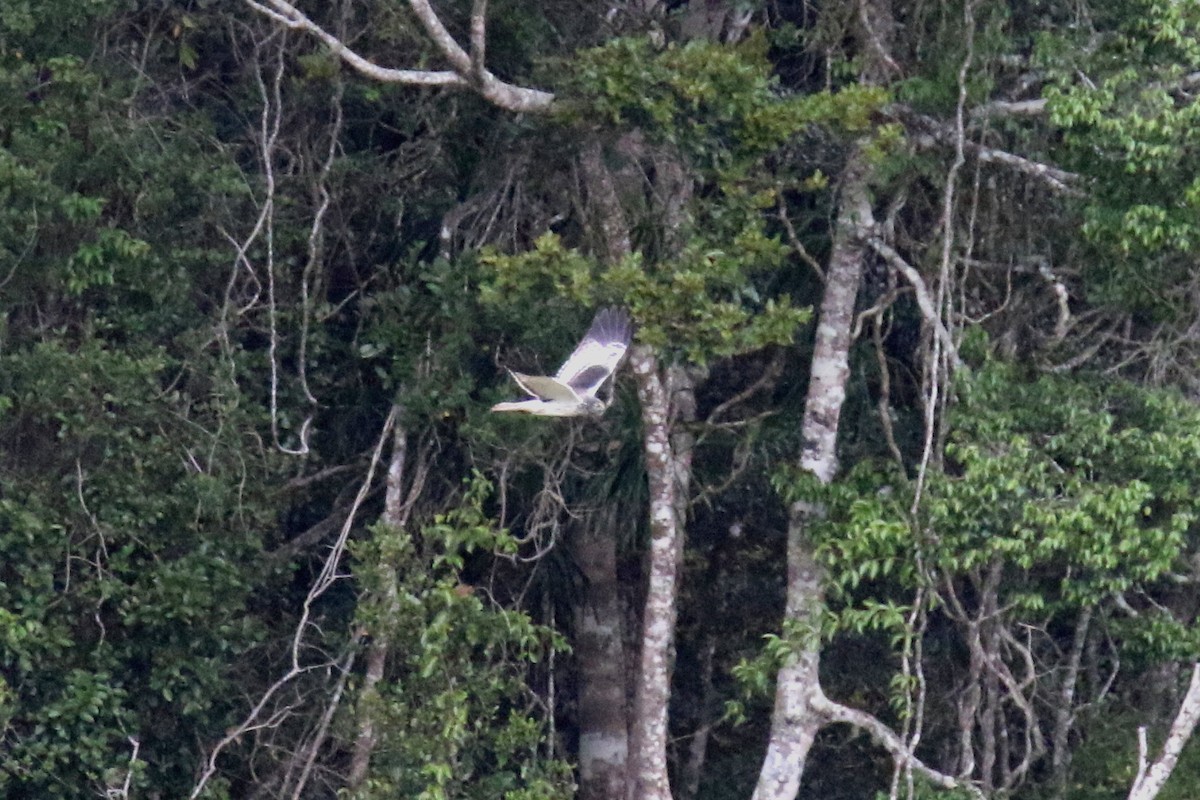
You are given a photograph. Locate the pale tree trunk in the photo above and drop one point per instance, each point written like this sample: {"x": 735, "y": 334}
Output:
{"x": 668, "y": 460}
{"x": 599, "y": 650}
{"x": 1152, "y": 777}
{"x": 368, "y": 697}
{"x": 796, "y": 718}
{"x": 665, "y": 396}
{"x": 607, "y": 216}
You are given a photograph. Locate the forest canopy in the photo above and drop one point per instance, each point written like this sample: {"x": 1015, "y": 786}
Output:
{"x": 897, "y": 495}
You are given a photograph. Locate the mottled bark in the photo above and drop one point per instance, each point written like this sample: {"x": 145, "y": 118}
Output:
{"x": 666, "y": 395}
{"x": 599, "y": 649}
{"x": 604, "y": 739}
{"x": 1152, "y": 777}
{"x": 795, "y": 720}
{"x": 404, "y": 485}
{"x": 664, "y": 466}
{"x": 831, "y": 350}
{"x": 364, "y": 741}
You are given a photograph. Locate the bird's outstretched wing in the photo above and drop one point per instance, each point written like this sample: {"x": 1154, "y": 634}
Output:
{"x": 572, "y": 390}
{"x": 596, "y": 357}
{"x": 544, "y": 387}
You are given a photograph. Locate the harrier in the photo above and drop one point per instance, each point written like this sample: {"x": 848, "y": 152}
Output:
{"x": 574, "y": 389}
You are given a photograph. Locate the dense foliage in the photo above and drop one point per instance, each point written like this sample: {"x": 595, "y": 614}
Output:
{"x": 257, "y": 524}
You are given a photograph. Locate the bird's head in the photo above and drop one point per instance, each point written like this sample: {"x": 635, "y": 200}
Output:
{"x": 593, "y": 406}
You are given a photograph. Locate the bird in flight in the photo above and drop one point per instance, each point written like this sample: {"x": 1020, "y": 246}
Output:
{"x": 574, "y": 389}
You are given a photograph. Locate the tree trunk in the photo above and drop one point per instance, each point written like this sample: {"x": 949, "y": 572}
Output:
{"x": 693, "y": 768}
{"x": 665, "y": 395}
{"x": 599, "y": 649}
{"x": 795, "y": 720}
{"x": 666, "y": 471}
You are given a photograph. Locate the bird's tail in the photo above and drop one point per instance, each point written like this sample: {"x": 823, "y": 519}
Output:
{"x": 518, "y": 406}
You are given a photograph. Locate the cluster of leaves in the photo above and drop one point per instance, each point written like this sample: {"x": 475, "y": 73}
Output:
{"x": 455, "y": 715}
{"x": 719, "y": 105}
{"x": 1081, "y": 491}
{"x": 1126, "y": 109}
{"x": 703, "y": 305}
{"x": 132, "y": 585}
{"x": 1091, "y": 478}
{"x": 128, "y": 568}
{"x": 46, "y": 219}
{"x": 718, "y": 109}
{"x": 721, "y": 112}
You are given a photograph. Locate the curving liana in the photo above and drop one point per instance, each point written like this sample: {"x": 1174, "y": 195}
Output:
{"x": 574, "y": 391}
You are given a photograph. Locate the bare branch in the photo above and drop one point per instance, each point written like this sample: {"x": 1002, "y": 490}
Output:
{"x": 888, "y": 740}
{"x": 122, "y": 793}
{"x": 458, "y": 58}
{"x": 1149, "y": 782}
{"x": 1036, "y": 107}
{"x": 271, "y": 118}
{"x": 287, "y": 14}
{"x": 924, "y": 300}
{"x": 1062, "y": 296}
{"x": 478, "y": 37}
{"x": 795, "y": 242}
{"x": 931, "y": 132}
{"x": 1064, "y": 714}
{"x": 868, "y": 18}
{"x": 766, "y": 381}
{"x": 1057, "y": 179}
{"x": 1007, "y": 108}
{"x": 1143, "y": 756}
{"x": 467, "y": 70}
{"x": 319, "y": 736}
{"x": 883, "y": 406}
{"x": 329, "y": 576}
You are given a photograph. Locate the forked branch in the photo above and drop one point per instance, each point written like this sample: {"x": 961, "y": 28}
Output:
{"x": 1151, "y": 777}
{"x": 888, "y": 740}
{"x": 925, "y": 300}
{"x": 467, "y": 69}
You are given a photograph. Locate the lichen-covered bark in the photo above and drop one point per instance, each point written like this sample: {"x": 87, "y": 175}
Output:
{"x": 605, "y": 724}
{"x": 1064, "y": 715}
{"x": 796, "y": 718}
{"x": 649, "y": 745}
{"x": 665, "y": 395}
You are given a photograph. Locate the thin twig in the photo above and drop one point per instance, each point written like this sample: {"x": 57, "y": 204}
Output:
{"x": 796, "y": 244}
{"x": 322, "y": 732}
